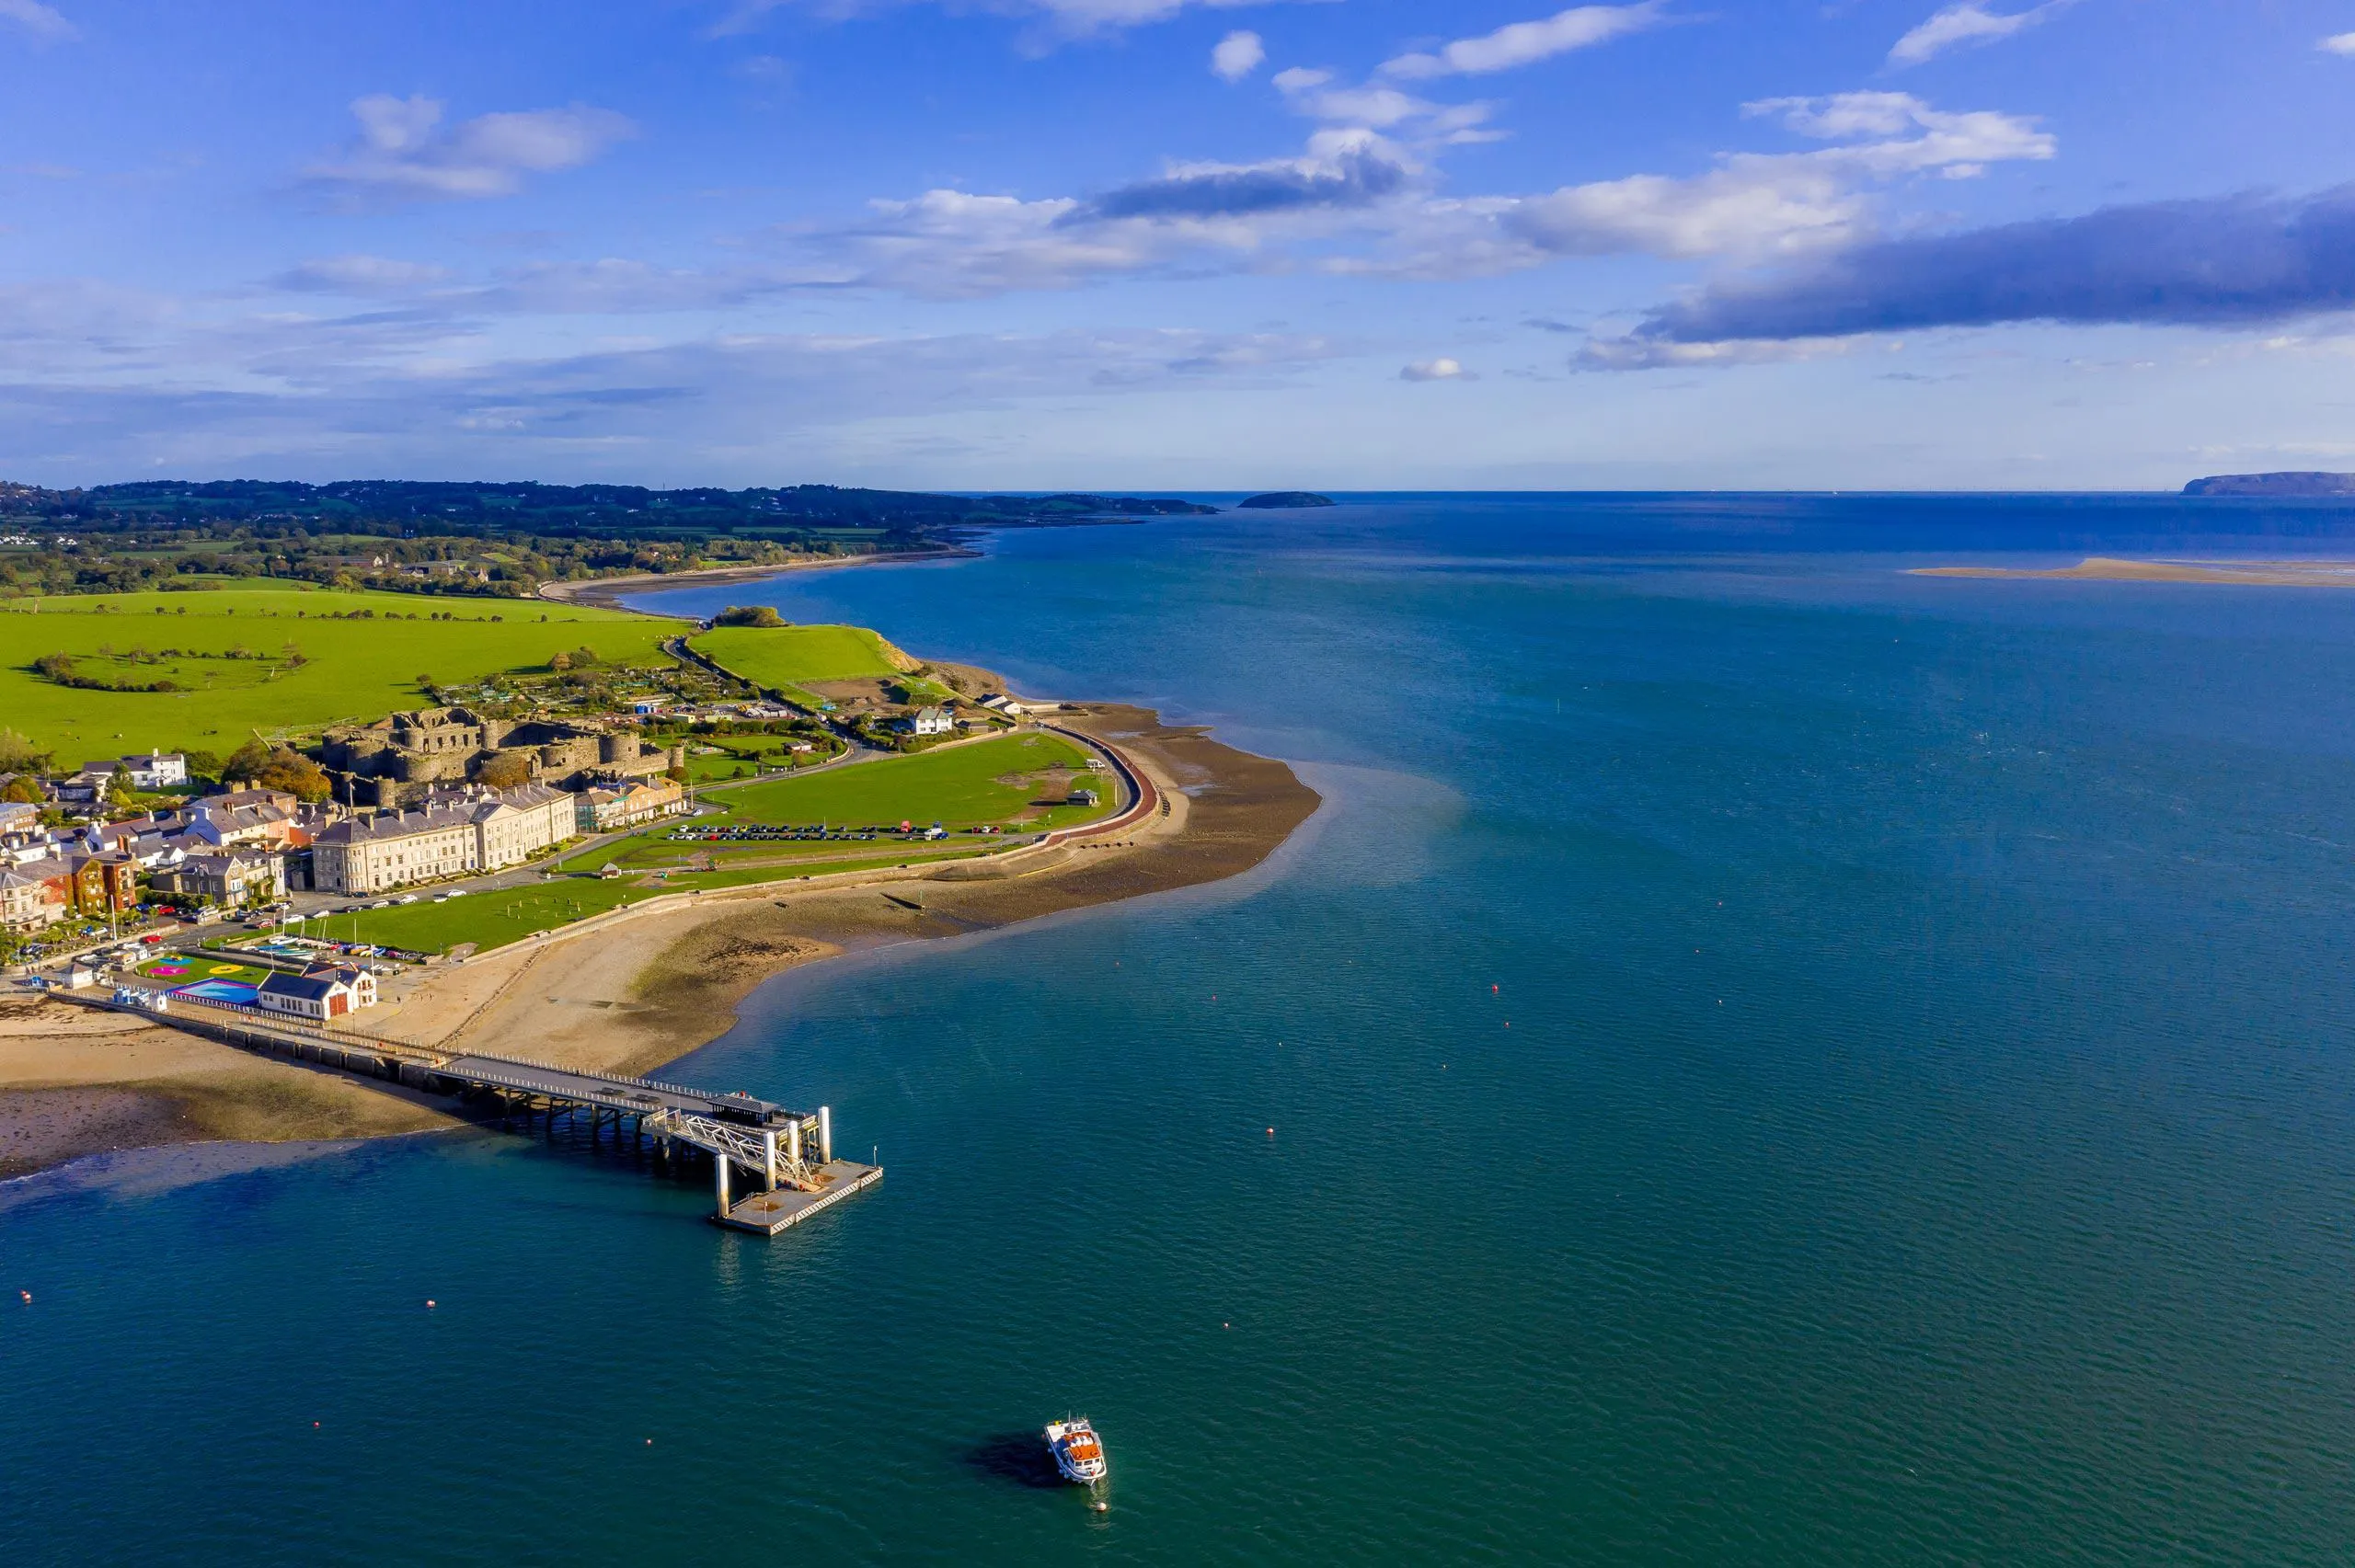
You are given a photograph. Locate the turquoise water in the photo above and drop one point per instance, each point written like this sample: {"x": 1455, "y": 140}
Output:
{"x": 1771, "y": 1060}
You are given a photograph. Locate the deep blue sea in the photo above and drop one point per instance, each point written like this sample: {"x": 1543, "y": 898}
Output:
{"x": 1771, "y": 1060}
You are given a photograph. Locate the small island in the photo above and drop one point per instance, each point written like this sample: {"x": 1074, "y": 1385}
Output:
{"x": 2276, "y": 487}
{"x": 1275, "y": 500}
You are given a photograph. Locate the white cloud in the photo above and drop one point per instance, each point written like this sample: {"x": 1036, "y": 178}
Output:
{"x": 1968, "y": 23}
{"x": 1069, "y": 18}
{"x": 1650, "y": 354}
{"x": 951, "y": 244}
{"x": 1377, "y": 106}
{"x": 104, "y": 383}
{"x": 402, "y": 152}
{"x": 1525, "y": 43}
{"x": 2338, "y": 43}
{"x": 1761, "y": 204}
{"x": 1436, "y": 369}
{"x": 43, "y": 22}
{"x": 361, "y": 275}
{"x": 1948, "y": 141}
{"x": 1237, "y": 55}
{"x": 1359, "y": 203}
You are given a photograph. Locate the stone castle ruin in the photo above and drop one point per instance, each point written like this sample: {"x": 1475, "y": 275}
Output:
{"x": 395, "y": 760}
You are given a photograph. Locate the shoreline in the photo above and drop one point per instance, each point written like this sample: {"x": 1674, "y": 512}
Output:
{"x": 605, "y": 593}
{"x": 632, "y": 995}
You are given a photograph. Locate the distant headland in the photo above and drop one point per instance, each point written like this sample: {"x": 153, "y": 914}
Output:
{"x": 1274, "y": 500}
{"x": 2275, "y": 487}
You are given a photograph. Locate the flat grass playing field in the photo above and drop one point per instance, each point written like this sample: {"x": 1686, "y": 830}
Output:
{"x": 356, "y": 669}
{"x": 787, "y": 658}
{"x": 998, "y": 782}
{"x": 487, "y": 919}
{"x": 983, "y": 782}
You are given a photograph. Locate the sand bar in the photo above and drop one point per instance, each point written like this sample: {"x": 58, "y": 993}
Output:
{"x": 2103, "y": 568}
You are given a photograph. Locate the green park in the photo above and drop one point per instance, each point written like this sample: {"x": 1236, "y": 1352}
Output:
{"x": 791, "y": 660}
{"x": 94, "y": 675}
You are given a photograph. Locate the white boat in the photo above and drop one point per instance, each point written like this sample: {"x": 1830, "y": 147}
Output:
{"x": 1078, "y": 1454}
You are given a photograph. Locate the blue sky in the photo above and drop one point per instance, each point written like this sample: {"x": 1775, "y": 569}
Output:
{"x": 1172, "y": 243}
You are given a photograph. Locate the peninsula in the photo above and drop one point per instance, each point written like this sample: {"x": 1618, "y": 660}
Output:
{"x": 582, "y": 836}
{"x": 2276, "y": 487}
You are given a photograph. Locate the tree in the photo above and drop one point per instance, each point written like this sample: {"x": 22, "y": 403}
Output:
{"x": 425, "y": 683}
{"x": 748, "y": 616}
{"x": 246, "y": 761}
{"x": 119, "y": 789}
{"x": 561, "y": 662}
{"x": 203, "y": 764}
{"x": 289, "y": 770}
{"x": 21, "y": 791}
{"x": 17, "y": 756}
{"x": 505, "y": 770}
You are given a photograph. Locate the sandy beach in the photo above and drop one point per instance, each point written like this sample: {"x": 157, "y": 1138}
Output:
{"x": 607, "y": 593}
{"x": 634, "y": 993}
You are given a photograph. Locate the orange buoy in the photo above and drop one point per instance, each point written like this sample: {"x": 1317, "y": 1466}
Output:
{"x": 1271, "y": 1132}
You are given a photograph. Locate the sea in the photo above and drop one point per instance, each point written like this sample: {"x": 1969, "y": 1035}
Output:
{"x": 1760, "y": 1058}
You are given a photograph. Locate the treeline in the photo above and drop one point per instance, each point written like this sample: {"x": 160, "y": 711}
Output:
{"x": 400, "y": 507}
{"x": 488, "y": 540}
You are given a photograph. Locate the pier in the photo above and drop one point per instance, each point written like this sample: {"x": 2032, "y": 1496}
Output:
{"x": 784, "y": 1158}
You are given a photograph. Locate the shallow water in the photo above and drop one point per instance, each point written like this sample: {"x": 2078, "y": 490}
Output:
{"x": 1763, "y": 1058}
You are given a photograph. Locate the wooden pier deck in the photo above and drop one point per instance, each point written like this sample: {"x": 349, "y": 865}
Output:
{"x": 769, "y": 1213}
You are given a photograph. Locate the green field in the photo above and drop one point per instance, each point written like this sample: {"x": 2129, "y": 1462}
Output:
{"x": 487, "y": 919}
{"x": 355, "y": 669}
{"x": 983, "y": 782}
{"x": 787, "y": 658}
{"x": 995, "y": 782}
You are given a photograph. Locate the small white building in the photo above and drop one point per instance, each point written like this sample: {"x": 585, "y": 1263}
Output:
{"x": 319, "y": 993}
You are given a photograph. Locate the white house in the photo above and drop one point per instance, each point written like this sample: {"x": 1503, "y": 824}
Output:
{"x": 319, "y": 994}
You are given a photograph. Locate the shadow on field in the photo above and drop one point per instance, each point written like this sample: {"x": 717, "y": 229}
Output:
{"x": 1019, "y": 1457}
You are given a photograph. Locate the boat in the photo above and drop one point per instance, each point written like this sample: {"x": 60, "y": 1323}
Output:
{"x": 1077, "y": 1452}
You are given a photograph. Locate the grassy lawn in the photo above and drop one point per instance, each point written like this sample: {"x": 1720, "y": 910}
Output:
{"x": 356, "y": 669}
{"x": 959, "y": 786}
{"x": 784, "y": 658}
{"x": 487, "y": 919}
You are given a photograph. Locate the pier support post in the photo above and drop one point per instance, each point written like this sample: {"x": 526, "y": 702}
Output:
{"x": 720, "y": 1180}
{"x": 768, "y": 1157}
{"x": 826, "y": 1135}
{"x": 793, "y": 1144}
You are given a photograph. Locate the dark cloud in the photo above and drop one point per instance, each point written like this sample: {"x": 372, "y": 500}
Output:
{"x": 2227, "y": 261}
{"x": 1353, "y": 179}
